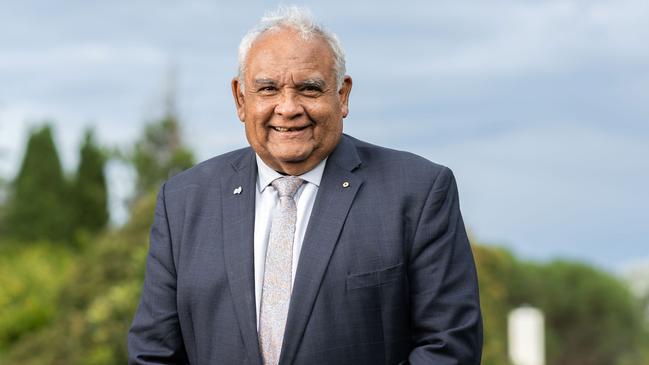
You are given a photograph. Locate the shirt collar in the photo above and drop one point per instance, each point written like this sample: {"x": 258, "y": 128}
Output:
{"x": 266, "y": 175}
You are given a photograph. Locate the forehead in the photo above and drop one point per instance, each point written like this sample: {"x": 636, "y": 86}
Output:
{"x": 281, "y": 52}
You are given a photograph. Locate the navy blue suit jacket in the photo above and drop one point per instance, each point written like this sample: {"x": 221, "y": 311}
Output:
{"x": 385, "y": 275}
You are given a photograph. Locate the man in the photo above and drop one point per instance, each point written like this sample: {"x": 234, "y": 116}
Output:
{"x": 310, "y": 247}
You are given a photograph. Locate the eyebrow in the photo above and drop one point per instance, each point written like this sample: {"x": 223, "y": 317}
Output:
{"x": 265, "y": 82}
{"x": 317, "y": 83}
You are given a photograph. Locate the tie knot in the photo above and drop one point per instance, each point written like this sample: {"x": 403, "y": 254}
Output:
{"x": 287, "y": 186}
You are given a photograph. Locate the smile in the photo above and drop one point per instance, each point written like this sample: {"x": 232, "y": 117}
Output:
{"x": 291, "y": 129}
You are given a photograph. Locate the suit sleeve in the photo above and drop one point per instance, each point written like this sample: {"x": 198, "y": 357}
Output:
{"x": 154, "y": 336}
{"x": 445, "y": 310}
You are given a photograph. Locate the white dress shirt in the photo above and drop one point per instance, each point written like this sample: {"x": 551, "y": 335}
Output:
{"x": 265, "y": 201}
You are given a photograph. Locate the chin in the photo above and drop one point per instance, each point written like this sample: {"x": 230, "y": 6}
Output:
{"x": 293, "y": 159}
{"x": 294, "y": 156}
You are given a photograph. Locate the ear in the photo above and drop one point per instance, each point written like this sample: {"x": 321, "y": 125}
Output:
{"x": 343, "y": 94}
{"x": 239, "y": 101}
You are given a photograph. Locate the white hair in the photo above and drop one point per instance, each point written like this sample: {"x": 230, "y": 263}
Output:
{"x": 301, "y": 20}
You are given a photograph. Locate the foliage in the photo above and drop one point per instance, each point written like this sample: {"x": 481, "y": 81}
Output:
{"x": 3, "y": 206}
{"x": 30, "y": 279}
{"x": 592, "y": 318}
{"x": 159, "y": 154}
{"x": 90, "y": 194}
{"x": 37, "y": 206}
{"x": 43, "y": 205}
{"x": 62, "y": 306}
{"x": 97, "y": 302}
{"x": 496, "y": 267}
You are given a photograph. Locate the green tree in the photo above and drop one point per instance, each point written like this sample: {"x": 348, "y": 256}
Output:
{"x": 95, "y": 305}
{"x": 3, "y": 207}
{"x": 90, "y": 194}
{"x": 592, "y": 318}
{"x": 159, "y": 154}
{"x": 496, "y": 269}
{"x": 37, "y": 206}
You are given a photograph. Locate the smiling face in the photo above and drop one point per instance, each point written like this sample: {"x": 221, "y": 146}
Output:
{"x": 291, "y": 106}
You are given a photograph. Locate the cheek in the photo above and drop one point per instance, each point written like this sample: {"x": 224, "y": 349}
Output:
{"x": 258, "y": 118}
{"x": 328, "y": 115}
{"x": 254, "y": 133}
{"x": 329, "y": 134}
{"x": 261, "y": 110}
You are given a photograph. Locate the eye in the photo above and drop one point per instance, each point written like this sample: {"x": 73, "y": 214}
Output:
{"x": 311, "y": 90}
{"x": 267, "y": 90}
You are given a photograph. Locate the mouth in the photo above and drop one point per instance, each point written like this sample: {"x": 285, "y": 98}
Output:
{"x": 289, "y": 129}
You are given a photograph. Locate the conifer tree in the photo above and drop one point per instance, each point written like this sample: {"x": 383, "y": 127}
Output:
{"x": 37, "y": 206}
{"x": 160, "y": 153}
{"x": 89, "y": 189}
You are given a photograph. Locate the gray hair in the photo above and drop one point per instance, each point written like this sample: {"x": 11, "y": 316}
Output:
{"x": 301, "y": 20}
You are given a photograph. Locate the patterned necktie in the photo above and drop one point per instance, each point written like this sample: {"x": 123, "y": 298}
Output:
{"x": 278, "y": 270}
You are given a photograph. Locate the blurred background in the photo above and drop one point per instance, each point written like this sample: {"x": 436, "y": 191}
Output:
{"x": 541, "y": 108}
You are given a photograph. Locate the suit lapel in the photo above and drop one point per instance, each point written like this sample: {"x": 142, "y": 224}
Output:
{"x": 336, "y": 193}
{"x": 238, "y": 197}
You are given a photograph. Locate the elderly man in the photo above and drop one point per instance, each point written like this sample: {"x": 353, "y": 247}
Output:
{"x": 310, "y": 247}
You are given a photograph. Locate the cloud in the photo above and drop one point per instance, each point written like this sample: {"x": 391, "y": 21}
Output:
{"x": 74, "y": 56}
{"x": 570, "y": 190}
{"x": 491, "y": 39}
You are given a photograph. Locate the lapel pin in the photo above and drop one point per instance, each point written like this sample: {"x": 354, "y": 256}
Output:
{"x": 346, "y": 184}
{"x": 237, "y": 191}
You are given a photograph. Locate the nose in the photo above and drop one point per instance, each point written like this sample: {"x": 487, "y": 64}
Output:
{"x": 288, "y": 105}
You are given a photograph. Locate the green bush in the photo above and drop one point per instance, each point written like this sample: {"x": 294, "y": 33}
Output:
{"x": 591, "y": 316}
{"x": 31, "y": 276}
{"x": 96, "y": 303}
{"x": 496, "y": 268}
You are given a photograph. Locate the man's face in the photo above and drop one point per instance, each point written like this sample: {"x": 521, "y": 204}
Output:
{"x": 291, "y": 107}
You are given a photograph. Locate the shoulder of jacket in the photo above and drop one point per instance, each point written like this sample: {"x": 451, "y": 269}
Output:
{"x": 208, "y": 170}
{"x": 378, "y": 157}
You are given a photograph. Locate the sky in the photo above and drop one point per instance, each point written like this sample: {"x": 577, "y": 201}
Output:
{"x": 541, "y": 108}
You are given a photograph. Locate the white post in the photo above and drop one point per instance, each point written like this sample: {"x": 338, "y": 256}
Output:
{"x": 526, "y": 336}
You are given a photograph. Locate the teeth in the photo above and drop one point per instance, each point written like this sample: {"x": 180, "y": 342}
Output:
{"x": 282, "y": 129}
